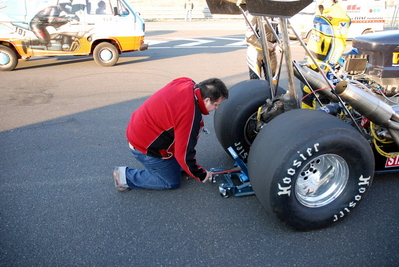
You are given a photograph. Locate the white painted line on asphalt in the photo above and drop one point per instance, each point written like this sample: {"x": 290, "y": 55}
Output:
{"x": 199, "y": 43}
{"x": 192, "y": 42}
{"x": 153, "y": 42}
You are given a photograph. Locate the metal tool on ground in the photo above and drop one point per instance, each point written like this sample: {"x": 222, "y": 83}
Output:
{"x": 235, "y": 181}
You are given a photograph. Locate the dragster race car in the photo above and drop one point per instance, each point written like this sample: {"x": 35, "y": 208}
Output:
{"x": 310, "y": 167}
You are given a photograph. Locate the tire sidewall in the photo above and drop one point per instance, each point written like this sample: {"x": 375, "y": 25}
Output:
{"x": 244, "y": 111}
{"x": 230, "y": 119}
{"x": 13, "y": 60}
{"x": 105, "y": 46}
{"x": 282, "y": 190}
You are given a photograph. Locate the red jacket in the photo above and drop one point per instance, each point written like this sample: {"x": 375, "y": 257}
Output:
{"x": 168, "y": 125}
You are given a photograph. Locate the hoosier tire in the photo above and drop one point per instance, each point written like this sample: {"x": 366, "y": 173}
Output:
{"x": 235, "y": 119}
{"x": 310, "y": 169}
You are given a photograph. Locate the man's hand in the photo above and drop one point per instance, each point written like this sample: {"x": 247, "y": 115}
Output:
{"x": 208, "y": 177}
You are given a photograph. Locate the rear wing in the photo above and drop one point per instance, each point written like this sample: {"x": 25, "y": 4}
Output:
{"x": 270, "y": 8}
{"x": 283, "y": 9}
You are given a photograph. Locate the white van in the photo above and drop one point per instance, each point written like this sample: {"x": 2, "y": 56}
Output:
{"x": 366, "y": 16}
{"x": 102, "y": 28}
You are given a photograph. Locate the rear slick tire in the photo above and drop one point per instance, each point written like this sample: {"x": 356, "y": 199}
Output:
{"x": 235, "y": 119}
{"x": 310, "y": 169}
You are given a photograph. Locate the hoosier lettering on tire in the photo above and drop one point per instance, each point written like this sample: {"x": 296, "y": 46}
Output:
{"x": 310, "y": 168}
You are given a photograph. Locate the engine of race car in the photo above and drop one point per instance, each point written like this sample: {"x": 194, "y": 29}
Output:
{"x": 379, "y": 52}
{"x": 373, "y": 88}
{"x": 369, "y": 87}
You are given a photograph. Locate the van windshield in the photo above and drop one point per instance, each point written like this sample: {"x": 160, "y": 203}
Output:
{"x": 119, "y": 8}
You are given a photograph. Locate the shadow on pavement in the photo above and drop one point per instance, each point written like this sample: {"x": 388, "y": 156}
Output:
{"x": 59, "y": 207}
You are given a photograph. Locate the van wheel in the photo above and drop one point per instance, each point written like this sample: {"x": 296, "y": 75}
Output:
{"x": 106, "y": 54}
{"x": 310, "y": 169}
{"x": 8, "y": 58}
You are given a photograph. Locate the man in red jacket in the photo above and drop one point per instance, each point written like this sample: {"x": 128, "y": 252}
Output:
{"x": 163, "y": 132}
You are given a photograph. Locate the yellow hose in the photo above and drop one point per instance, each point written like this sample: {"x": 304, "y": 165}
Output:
{"x": 382, "y": 141}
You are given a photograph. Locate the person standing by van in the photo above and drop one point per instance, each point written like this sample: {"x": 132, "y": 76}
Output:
{"x": 189, "y": 6}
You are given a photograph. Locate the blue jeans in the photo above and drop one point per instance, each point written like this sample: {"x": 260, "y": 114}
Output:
{"x": 158, "y": 173}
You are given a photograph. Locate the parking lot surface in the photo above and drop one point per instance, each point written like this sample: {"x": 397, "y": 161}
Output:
{"x": 63, "y": 130}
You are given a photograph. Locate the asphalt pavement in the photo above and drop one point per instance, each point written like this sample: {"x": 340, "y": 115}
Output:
{"x": 59, "y": 206}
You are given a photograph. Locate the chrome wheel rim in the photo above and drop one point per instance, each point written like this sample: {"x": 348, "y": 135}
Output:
{"x": 4, "y": 58}
{"x": 105, "y": 55}
{"x": 322, "y": 180}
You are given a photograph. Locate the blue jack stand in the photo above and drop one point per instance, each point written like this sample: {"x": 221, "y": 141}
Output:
{"x": 235, "y": 181}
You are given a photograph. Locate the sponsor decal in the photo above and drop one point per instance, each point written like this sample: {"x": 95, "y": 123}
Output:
{"x": 368, "y": 21}
{"x": 395, "y": 59}
{"x": 353, "y": 8}
{"x": 392, "y": 162}
{"x": 357, "y": 8}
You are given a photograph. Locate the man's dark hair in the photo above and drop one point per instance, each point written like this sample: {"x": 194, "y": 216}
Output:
{"x": 213, "y": 88}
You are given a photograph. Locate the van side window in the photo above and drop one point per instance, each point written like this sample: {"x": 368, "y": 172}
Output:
{"x": 99, "y": 7}
{"x": 119, "y": 8}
